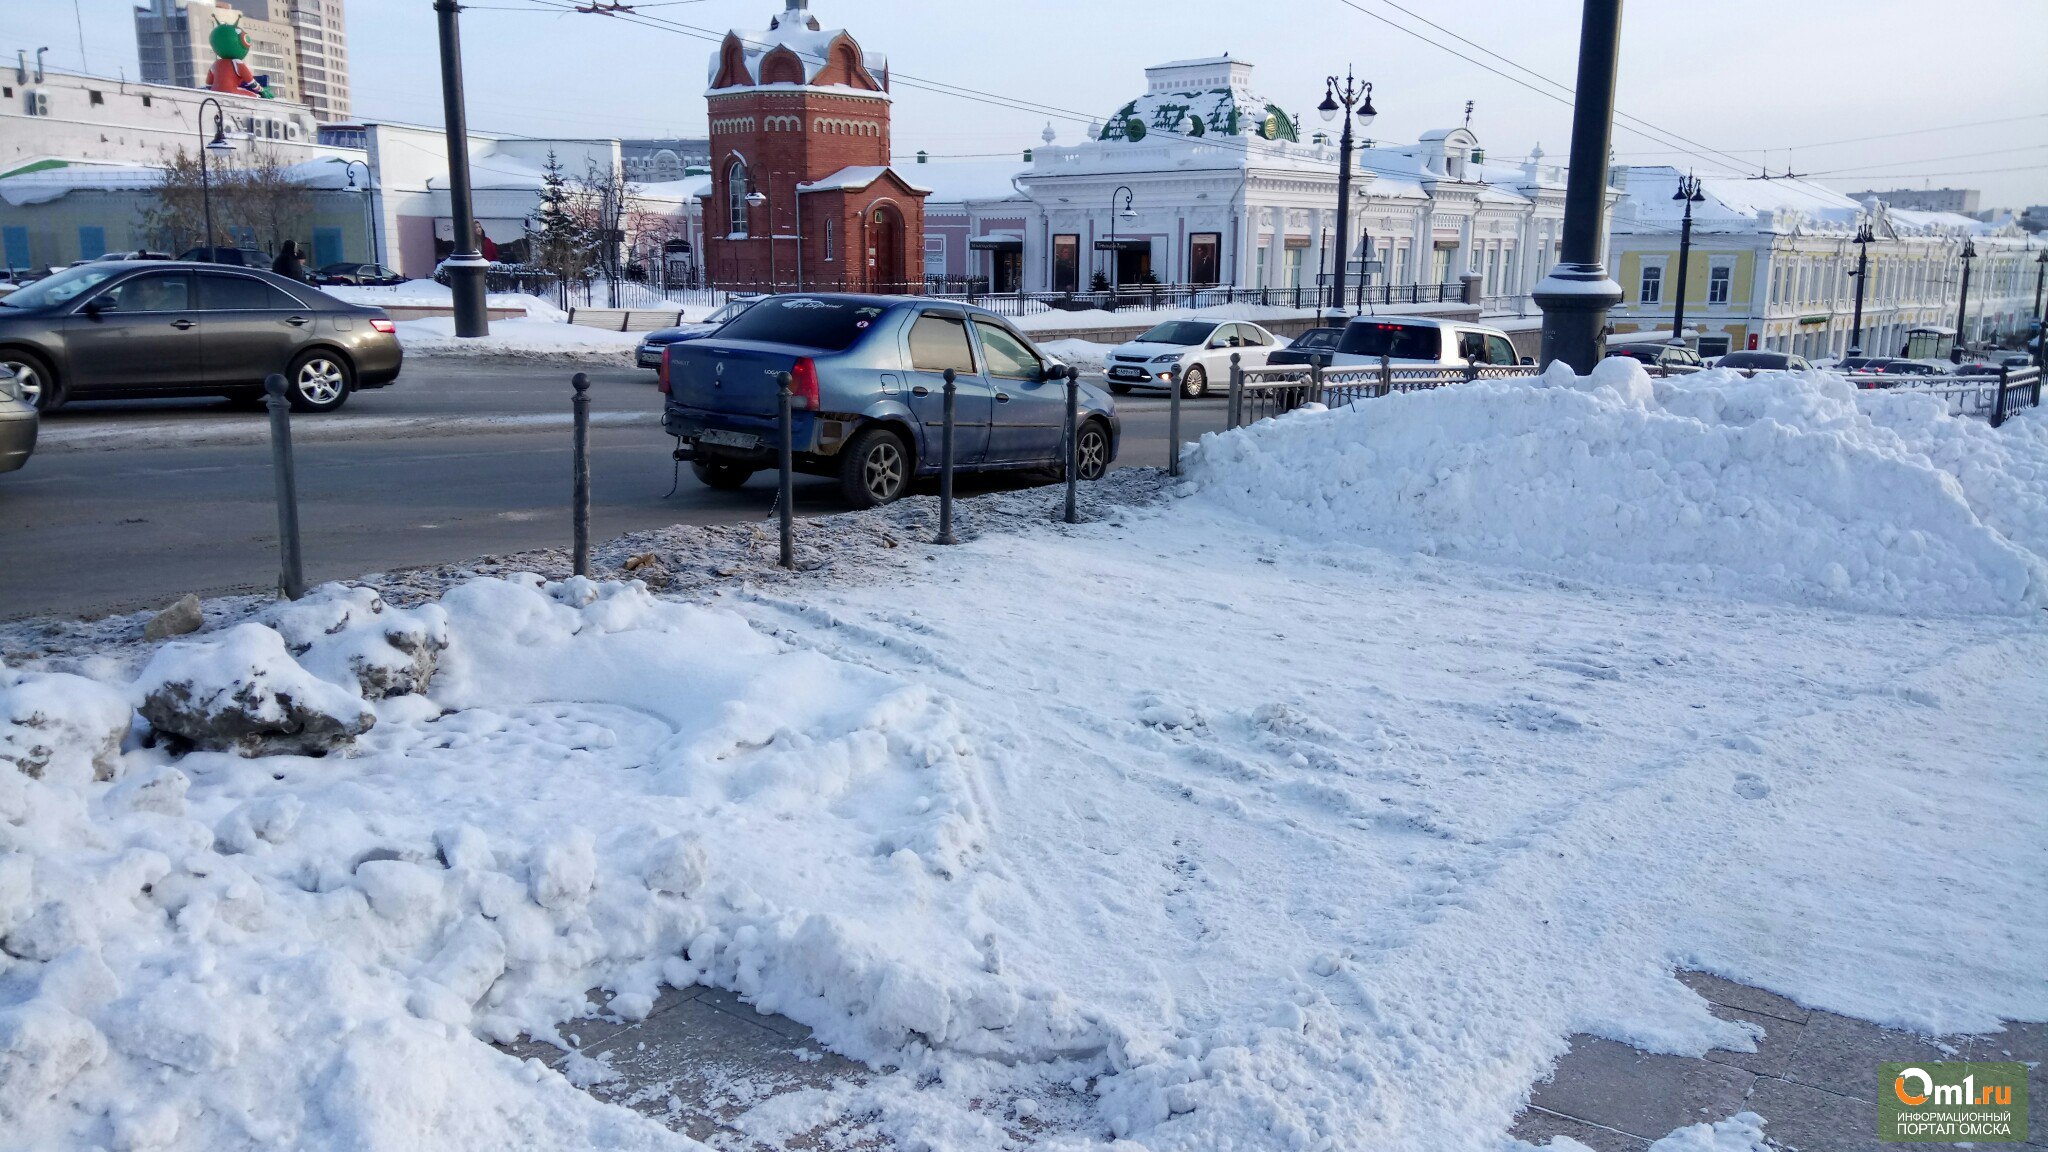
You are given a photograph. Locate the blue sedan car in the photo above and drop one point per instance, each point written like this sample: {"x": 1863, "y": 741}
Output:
{"x": 867, "y": 377}
{"x": 655, "y": 343}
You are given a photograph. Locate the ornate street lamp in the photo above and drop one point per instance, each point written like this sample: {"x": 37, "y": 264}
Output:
{"x": 369, "y": 218}
{"x": 1968, "y": 254}
{"x": 756, "y": 201}
{"x": 2041, "y": 335}
{"x": 220, "y": 145}
{"x": 1115, "y": 254}
{"x": 1864, "y": 239}
{"x": 1688, "y": 191}
{"x": 1355, "y": 101}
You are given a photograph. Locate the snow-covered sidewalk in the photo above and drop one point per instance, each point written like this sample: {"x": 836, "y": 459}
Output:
{"x": 1255, "y": 817}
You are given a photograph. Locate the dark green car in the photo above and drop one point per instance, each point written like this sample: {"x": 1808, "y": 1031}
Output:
{"x": 126, "y": 329}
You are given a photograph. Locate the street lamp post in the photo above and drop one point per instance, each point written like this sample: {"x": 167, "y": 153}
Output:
{"x": 465, "y": 265}
{"x": 369, "y": 205}
{"x": 1344, "y": 97}
{"x": 756, "y": 201}
{"x": 2041, "y": 333}
{"x": 220, "y": 145}
{"x": 1688, "y": 191}
{"x": 1578, "y": 292}
{"x": 1969, "y": 253}
{"x": 1115, "y": 253}
{"x": 1864, "y": 239}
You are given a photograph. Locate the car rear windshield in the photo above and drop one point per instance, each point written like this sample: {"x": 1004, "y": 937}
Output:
{"x": 1317, "y": 339}
{"x": 59, "y": 287}
{"x": 1399, "y": 341}
{"x": 818, "y": 322}
{"x": 1754, "y": 360}
{"x": 1181, "y": 332}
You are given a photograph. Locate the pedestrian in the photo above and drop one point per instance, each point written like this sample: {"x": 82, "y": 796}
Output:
{"x": 289, "y": 263}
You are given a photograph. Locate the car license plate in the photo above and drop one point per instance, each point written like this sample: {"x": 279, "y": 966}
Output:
{"x": 724, "y": 439}
{"x": 1134, "y": 373}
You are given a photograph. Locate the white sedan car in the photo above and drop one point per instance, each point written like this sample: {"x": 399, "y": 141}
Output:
{"x": 1200, "y": 348}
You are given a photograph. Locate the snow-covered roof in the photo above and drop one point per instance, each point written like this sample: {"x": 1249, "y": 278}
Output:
{"x": 797, "y": 30}
{"x": 954, "y": 181}
{"x": 854, "y": 179}
{"x": 53, "y": 178}
{"x": 1229, "y": 110}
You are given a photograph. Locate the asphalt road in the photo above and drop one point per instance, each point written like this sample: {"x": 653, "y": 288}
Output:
{"x": 131, "y": 504}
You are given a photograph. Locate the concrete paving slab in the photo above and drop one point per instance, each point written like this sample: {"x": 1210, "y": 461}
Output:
{"x": 1732, "y": 995}
{"x": 591, "y": 1030}
{"x": 1537, "y": 1127}
{"x": 1841, "y": 1055}
{"x": 2027, "y": 1043}
{"x": 1799, "y": 1118}
{"x": 1615, "y": 1086}
{"x": 1773, "y": 1050}
{"x": 730, "y": 1002}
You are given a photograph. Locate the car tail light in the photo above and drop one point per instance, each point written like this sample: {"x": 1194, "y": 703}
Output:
{"x": 661, "y": 374}
{"x": 803, "y": 384}
{"x": 382, "y": 325}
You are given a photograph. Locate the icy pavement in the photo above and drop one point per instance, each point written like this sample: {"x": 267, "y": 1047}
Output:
{"x": 1198, "y": 826}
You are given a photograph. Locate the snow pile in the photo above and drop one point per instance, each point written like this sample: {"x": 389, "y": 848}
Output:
{"x": 1795, "y": 487}
{"x": 1742, "y": 1132}
{"x": 428, "y": 294}
{"x": 524, "y": 337}
{"x": 597, "y": 788}
{"x": 1086, "y": 355}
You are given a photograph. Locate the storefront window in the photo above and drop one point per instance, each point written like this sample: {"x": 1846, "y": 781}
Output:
{"x": 1066, "y": 263}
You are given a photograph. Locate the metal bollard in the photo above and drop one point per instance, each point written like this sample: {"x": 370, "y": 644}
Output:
{"x": 946, "y": 466}
{"x": 292, "y": 579}
{"x": 1173, "y": 424}
{"x": 1386, "y": 374}
{"x": 1073, "y": 441}
{"x": 579, "y": 470}
{"x": 786, "y": 470}
{"x": 1316, "y": 361}
{"x": 1236, "y": 390}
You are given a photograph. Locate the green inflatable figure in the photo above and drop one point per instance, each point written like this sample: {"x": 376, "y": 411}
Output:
{"x": 229, "y": 74}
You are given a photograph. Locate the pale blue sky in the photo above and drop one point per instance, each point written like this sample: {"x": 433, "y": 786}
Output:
{"x": 1732, "y": 74}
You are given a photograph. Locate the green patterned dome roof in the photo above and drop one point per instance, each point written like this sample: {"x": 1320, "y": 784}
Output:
{"x": 1200, "y": 112}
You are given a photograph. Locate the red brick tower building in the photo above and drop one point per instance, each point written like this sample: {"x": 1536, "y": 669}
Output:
{"x": 800, "y": 115}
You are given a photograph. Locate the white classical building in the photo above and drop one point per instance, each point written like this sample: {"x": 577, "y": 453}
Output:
{"x": 1772, "y": 266}
{"x": 1226, "y": 188}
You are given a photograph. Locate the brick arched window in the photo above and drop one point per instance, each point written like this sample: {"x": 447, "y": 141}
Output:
{"x": 736, "y": 190}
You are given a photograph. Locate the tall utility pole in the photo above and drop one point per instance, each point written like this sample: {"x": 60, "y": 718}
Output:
{"x": 2041, "y": 333}
{"x": 1578, "y": 292}
{"x": 1864, "y": 239}
{"x": 1345, "y": 96}
{"x": 1688, "y": 191}
{"x": 1969, "y": 253}
{"x": 466, "y": 266}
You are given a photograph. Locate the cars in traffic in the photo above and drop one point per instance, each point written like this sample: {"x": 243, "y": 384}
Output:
{"x": 1895, "y": 367}
{"x": 1669, "y": 357}
{"x": 1421, "y": 341}
{"x": 1200, "y": 349}
{"x": 19, "y": 421}
{"x": 154, "y": 328}
{"x": 357, "y": 274}
{"x": 652, "y": 346}
{"x": 867, "y": 377}
{"x": 223, "y": 254}
{"x": 1316, "y": 342}
{"x": 1764, "y": 362}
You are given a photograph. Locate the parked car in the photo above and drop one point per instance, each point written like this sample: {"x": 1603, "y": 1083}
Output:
{"x": 357, "y": 274}
{"x": 867, "y": 374}
{"x": 1420, "y": 341}
{"x": 238, "y": 257}
{"x": 655, "y": 343}
{"x": 1201, "y": 349}
{"x": 115, "y": 257}
{"x": 1862, "y": 364}
{"x": 1896, "y": 367}
{"x": 1670, "y": 357}
{"x": 1764, "y": 362}
{"x": 150, "y": 328}
{"x": 2012, "y": 359}
{"x": 18, "y": 423}
{"x": 1314, "y": 342}
{"x": 1978, "y": 368}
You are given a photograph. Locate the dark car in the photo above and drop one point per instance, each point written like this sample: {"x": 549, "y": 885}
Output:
{"x": 867, "y": 374}
{"x": 18, "y": 422}
{"x": 1764, "y": 362}
{"x": 655, "y": 343}
{"x": 150, "y": 328}
{"x": 237, "y": 257}
{"x": 357, "y": 274}
{"x": 1670, "y": 357}
{"x": 1319, "y": 342}
{"x": 1910, "y": 368}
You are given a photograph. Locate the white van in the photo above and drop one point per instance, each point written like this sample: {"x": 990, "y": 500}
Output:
{"x": 1420, "y": 342}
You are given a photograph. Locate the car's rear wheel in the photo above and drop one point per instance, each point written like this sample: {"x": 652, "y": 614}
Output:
{"x": 38, "y": 384}
{"x": 1120, "y": 389}
{"x": 1091, "y": 451}
{"x": 319, "y": 381}
{"x": 724, "y": 477}
{"x": 1194, "y": 382}
{"x": 875, "y": 469}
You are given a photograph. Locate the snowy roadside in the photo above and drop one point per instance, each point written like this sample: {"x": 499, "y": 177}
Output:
{"x": 328, "y": 428}
{"x": 1311, "y": 804}
{"x": 525, "y": 338}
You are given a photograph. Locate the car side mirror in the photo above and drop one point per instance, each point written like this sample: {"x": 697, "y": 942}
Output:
{"x": 1048, "y": 373}
{"x": 1528, "y": 360}
{"x": 94, "y": 307}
